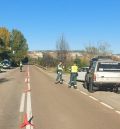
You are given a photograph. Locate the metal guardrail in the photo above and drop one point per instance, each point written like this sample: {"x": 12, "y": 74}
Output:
{"x": 45, "y": 68}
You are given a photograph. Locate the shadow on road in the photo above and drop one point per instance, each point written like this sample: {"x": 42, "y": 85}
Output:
{"x": 23, "y": 70}
{"x": 102, "y": 88}
{"x": 2, "y": 80}
{"x": 2, "y": 72}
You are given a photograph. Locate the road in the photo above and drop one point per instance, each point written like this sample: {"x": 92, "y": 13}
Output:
{"x": 53, "y": 106}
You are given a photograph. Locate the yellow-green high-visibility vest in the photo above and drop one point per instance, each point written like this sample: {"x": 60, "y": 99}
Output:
{"x": 74, "y": 69}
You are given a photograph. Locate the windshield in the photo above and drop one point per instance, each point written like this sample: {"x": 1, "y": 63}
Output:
{"x": 109, "y": 66}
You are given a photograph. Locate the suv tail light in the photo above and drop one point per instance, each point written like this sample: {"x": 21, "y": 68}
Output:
{"x": 94, "y": 77}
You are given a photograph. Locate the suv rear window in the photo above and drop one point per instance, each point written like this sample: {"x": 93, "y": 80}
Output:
{"x": 108, "y": 67}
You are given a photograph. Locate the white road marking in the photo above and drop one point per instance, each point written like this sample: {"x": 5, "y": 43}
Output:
{"x": 22, "y": 104}
{"x": 25, "y": 79}
{"x": 28, "y": 101}
{"x": 28, "y": 86}
{"x": 117, "y": 112}
{"x": 28, "y": 80}
{"x": 108, "y": 106}
{"x": 28, "y": 74}
{"x": 28, "y": 109}
{"x": 93, "y": 98}
{"x": 83, "y": 93}
{"x": 28, "y": 69}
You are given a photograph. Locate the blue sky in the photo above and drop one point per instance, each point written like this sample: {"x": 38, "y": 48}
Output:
{"x": 82, "y": 22}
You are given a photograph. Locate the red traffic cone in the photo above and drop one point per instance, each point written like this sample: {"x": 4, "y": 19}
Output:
{"x": 26, "y": 122}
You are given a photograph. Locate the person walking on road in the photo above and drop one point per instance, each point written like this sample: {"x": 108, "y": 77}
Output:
{"x": 73, "y": 76}
{"x": 21, "y": 65}
{"x": 59, "y": 73}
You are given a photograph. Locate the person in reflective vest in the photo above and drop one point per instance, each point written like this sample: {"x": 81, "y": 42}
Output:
{"x": 73, "y": 75}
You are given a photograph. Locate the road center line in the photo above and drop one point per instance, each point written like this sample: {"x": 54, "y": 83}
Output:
{"x": 29, "y": 107}
{"x": 108, "y": 106}
{"x": 28, "y": 86}
{"x": 28, "y": 74}
{"x": 28, "y": 80}
{"x": 22, "y": 102}
{"x": 25, "y": 79}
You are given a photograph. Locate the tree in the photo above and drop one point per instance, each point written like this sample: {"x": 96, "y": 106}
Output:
{"x": 1, "y": 43}
{"x": 62, "y": 49}
{"x": 104, "y": 48}
{"x": 4, "y": 43}
{"x": 101, "y": 49}
{"x": 19, "y": 45}
{"x": 91, "y": 50}
{"x": 78, "y": 62}
{"x": 47, "y": 60}
{"x": 4, "y": 39}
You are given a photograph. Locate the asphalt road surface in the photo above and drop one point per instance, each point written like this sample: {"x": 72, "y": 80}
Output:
{"x": 53, "y": 106}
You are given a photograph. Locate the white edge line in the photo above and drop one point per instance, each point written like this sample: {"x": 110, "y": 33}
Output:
{"x": 83, "y": 93}
{"x": 93, "y": 98}
{"x": 22, "y": 102}
{"x": 108, "y": 106}
{"x": 117, "y": 112}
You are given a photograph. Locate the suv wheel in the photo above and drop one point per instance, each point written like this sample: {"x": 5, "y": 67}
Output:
{"x": 90, "y": 87}
{"x": 118, "y": 90}
{"x": 86, "y": 84}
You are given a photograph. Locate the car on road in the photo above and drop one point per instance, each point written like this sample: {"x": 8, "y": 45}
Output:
{"x": 81, "y": 74}
{"x": 103, "y": 73}
{"x": 6, "y": 64}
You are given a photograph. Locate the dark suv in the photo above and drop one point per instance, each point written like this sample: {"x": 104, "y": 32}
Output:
{"x": 6, "y": 64}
